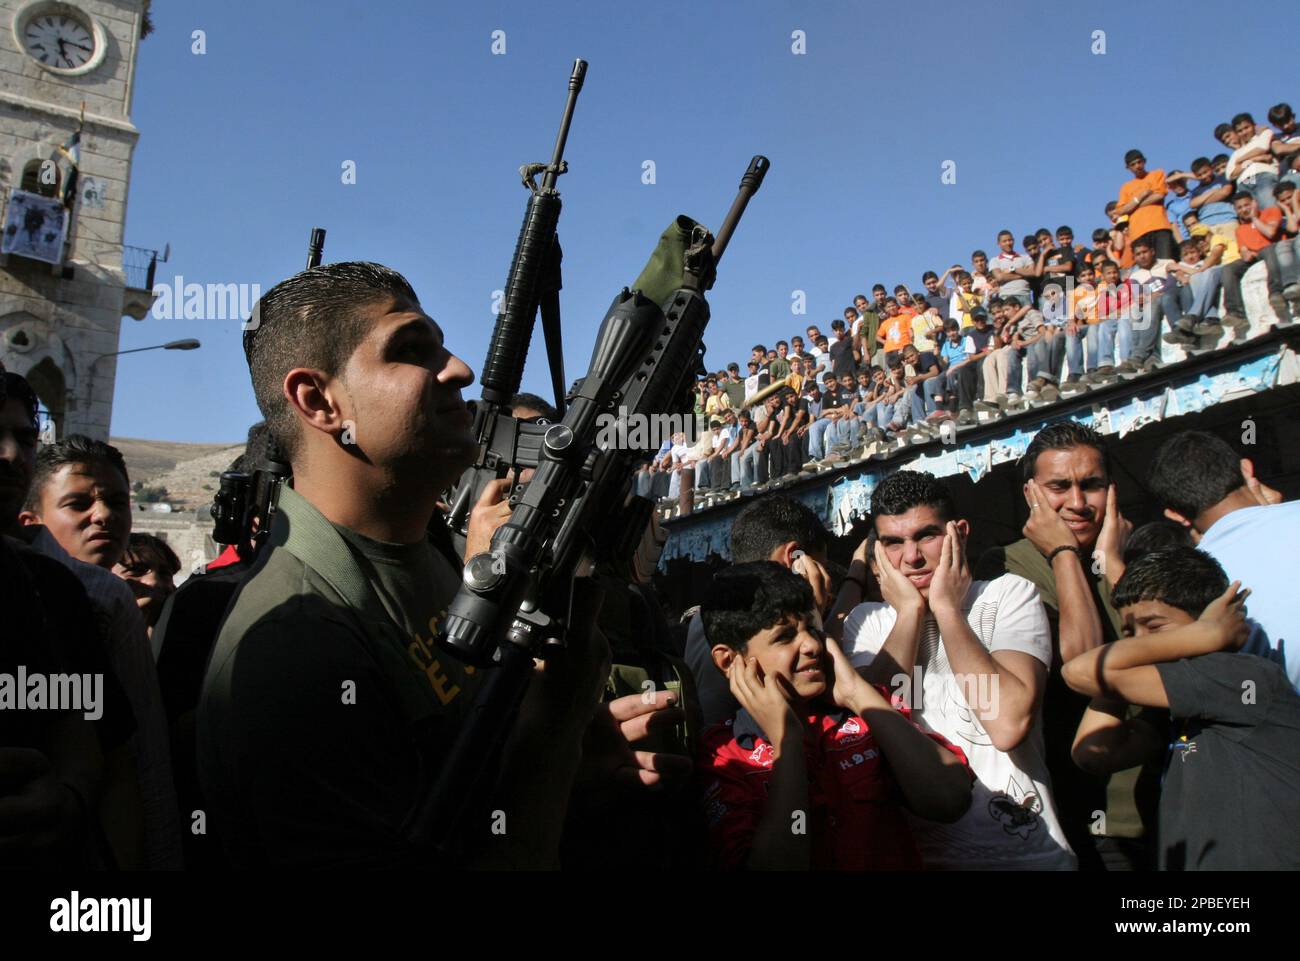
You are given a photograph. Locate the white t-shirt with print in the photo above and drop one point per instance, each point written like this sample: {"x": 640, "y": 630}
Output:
{"x": 1011, "y": 823}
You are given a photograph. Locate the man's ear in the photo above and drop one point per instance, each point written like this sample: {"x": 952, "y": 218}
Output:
{"x": 1177, "y": 518}
{"x": 315, "y": 399}
{"x": 963, "y": 526}
{"x": 784, "y": 555}
{"x": 1247, "y": 470}
{"x": 723, "y": 656}
{"x": 29, "y": 518}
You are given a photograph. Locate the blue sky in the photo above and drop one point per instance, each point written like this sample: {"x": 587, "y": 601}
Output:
{"x": 241, "y": 151}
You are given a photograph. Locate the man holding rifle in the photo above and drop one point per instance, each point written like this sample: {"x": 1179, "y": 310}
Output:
{"x": 327, "y": 707}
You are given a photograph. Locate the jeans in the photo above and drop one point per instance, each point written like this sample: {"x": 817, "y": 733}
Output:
{"x": 933, "y": 387}
{"x": 1046, "y": 355}
{"x": 921, "y": 399}
{"x": 1148, "y": 324}
{"x": 817, "y": 438}
{"x": 1015, "y": 370}
{"x": 753, "y": 467}
{"x": 1283, "y": 259}
{"x": 884, "y": 414}
{"x": 1201, "y": 297}
{"x": 961, "y": 384}
{"x": 1261, "y": 187}
{"x": 1101, "y": 343}
{"x": 1233, "y": 305}
{"x": 1074, "y": 344}
{"x": 735, "y": 467}
{"x": 1123, "y": 337}
{"x": 847, "y": 430}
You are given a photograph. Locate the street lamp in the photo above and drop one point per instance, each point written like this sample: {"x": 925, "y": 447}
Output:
{"x": 189, "y": 343}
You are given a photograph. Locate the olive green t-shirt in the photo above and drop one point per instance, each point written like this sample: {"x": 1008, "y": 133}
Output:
{"x": 326, "y": 706}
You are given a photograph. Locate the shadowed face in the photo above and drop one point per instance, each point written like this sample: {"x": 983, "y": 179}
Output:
{"x": 17, "y": 459}
{"x": 404, "y": 388}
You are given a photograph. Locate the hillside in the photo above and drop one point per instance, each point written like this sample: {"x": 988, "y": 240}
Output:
{"x": 184, "y": 469}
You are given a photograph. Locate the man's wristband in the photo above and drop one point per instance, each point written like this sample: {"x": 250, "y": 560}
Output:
{"x": 1051, "y": 556}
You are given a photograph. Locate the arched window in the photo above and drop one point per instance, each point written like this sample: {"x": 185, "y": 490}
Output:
{"x": 32, "y": 180}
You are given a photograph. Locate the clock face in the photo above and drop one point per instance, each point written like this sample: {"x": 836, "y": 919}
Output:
{"x": 58, "y": 41}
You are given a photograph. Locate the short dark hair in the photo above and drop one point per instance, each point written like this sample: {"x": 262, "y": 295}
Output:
{"x": 1006, "y": 233}
{"x": 73, "y": 449}
{"x": 1242, "y": 118}
{"x": 745, "y": 599}
{"x": 17, "y": 388}
{"x": 837, "y": 324}
{"x": 1062, "y": 435}
{"x": 1100, "y": 235}
{"x": 1192, "y": 471}
{"x": 148, "y": 549}
{"x": 880, "y": 287}
{"x": 313, "y": 319}
{"x": 1131, "y": 155}
{"x": 1182, "y": 577}
{"x": 1200, "y": 162}
{"x": 1282, "y": 186}
{"x": 1155, "y": 536}
{"x": 1064, "y": 229}
{"x": 979, "y": 253}
{"x": 1221, "y": 130}
{"x": 857, "y": 297}
{"x": 1143, "y": 241}
{"x": 902, "y": 490}
{"x": 533, "y": 402}
{"x": 1242, "y": 195}
{"x": 1028, "y": 239}
{"x": 771, "y": 521}
{"x": 782, "y": 343}
{"x": 1280, "y": 113}
{"x": 1103, "y": 264}
{"x": 928, "y": 275}
{"x": 1219, "y": 158}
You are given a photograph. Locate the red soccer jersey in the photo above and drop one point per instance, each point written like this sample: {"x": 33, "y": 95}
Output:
{"x": 856, "y": 821}
{"x": 1116, "y": 302}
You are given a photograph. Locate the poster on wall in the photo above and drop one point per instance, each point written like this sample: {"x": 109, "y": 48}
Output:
{"x": 34, "y": 227}
{"x": 93, "y": 191}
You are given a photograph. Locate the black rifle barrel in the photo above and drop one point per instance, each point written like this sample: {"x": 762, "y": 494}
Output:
{"x": 503, "y": 370}
{"x": 749, "y": 184}
{"x": 575, "y": 87}
{"x": 315, "y": 247}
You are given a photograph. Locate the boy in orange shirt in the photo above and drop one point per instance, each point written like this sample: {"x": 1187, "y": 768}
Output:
{"x": 895, "y": 331}
{"x": 1142, "y": 200}
{"x": 1261, "y": 235}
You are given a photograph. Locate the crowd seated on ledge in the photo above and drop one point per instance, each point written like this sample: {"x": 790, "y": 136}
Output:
{"x": 1191, "y": 261}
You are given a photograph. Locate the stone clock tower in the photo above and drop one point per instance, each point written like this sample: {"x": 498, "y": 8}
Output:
{"x": 67, "y": 72}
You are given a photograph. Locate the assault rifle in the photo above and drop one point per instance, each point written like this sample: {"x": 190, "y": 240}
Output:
{"x": 515, "y": 600}
{"x": 533, "y": 283}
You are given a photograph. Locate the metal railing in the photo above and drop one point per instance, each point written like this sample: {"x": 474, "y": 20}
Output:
{"x": 139, "y": 264}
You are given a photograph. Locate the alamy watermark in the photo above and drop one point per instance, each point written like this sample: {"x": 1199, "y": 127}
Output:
{"x": 628, "y": 431}
{"x": 980, "y": 691}
{"x": 53, "y": 692}
{"x": 193, "y": 301}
